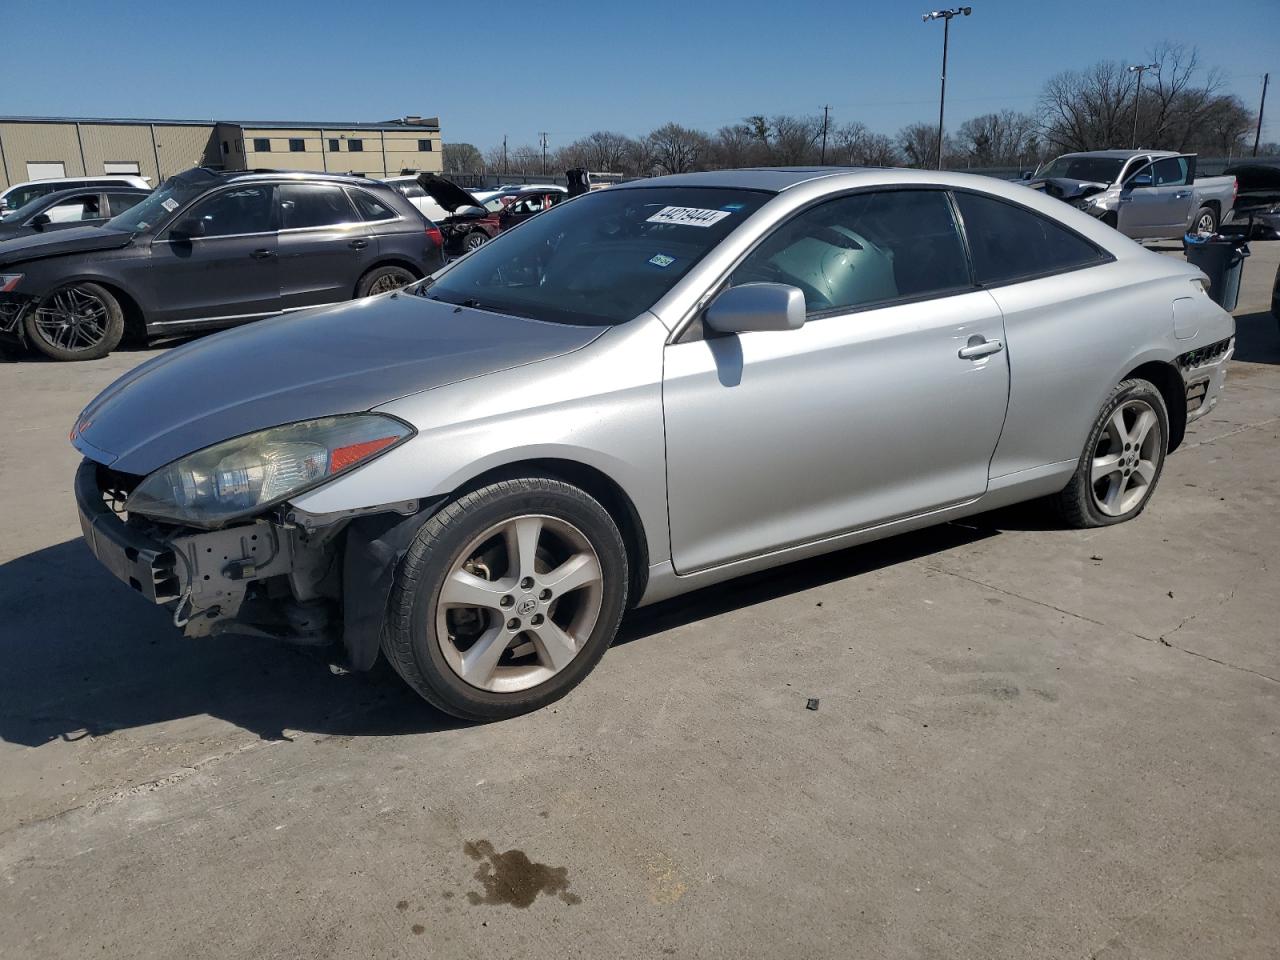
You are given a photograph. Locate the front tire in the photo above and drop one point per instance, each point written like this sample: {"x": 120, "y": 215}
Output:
{"x": 1122, "y": 459}
{"x": 81, "y": 321}
{"x": 507, "y": 598}
{"x": 473, "y": 240}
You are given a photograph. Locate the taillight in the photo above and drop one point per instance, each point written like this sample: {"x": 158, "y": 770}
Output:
{"x": 435, "y": 236}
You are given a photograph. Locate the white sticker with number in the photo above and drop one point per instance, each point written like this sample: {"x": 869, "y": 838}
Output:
{"x": 169, "y": 204}
{"x": 689, "y": 216}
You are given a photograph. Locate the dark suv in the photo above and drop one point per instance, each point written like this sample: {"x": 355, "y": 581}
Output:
{"x": 212, "y": 249}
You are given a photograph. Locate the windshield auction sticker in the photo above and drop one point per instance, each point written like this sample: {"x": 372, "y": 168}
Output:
{"x": 689, "y": 216}
{"x": 169, "y": 204}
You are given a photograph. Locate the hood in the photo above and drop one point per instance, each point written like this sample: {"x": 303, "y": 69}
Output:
{"x": 446, "y": 193}
{"x": 53, "y": 243}
{"x": 318, "y": 363}
{"x": 1065, "y": 188}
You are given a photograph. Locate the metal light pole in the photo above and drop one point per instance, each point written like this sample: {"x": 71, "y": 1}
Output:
{"x": 945, "y": 16}
{"x": 1139, "y": 69}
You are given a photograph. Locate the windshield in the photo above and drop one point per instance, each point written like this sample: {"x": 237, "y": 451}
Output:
{"x": 21, "y": 196}
{"x": 1095, "y": 169}
{"x": 157, "y": 206}
{"x": 601, "y": 259}
{"x": 24, "y": 211}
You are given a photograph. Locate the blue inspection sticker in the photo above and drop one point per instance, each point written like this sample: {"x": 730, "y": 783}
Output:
{"x": 662, "y": 260}
{"x": 732, "y": 207}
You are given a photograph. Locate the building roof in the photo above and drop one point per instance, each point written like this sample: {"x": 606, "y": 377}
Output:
{"x": 431, "y": 124}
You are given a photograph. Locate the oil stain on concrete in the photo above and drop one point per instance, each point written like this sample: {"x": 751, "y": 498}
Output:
{"x": 512, "y": 879}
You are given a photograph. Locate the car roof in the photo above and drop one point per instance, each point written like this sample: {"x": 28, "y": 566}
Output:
{"x": 51, "y": 198}
{"x": 1122, "y": 154}
{"x": 772, "y": 179}
{"x": 196, "y": 174}
{"x": 124, "y": 178}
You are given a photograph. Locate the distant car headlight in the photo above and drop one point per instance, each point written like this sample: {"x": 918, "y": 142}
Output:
{"x": 246, "y": 475}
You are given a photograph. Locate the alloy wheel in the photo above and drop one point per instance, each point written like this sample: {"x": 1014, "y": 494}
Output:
{"x": 1126, "y": 458}
{"x": 519, "y": 603}
{"x": 386, "y": 283}
{"x": 1205, "y": 224}
{"x": 72, "y": 319}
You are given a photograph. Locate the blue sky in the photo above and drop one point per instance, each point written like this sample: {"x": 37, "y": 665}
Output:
{"x": 570, "y": 68}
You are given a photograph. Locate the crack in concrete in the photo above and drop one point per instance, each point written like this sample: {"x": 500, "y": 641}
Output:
{"x": 1162, "y": 639}
{"x": 1270, "y": 421}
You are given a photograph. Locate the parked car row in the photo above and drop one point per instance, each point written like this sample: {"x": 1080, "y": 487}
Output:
{"x": 469, "y": 219}
{"x": 208, "y": 249}
{"x": 1145, "y": 194}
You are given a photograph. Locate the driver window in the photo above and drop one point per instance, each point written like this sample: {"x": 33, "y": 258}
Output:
{"x": 1140, "y": 167}
{"x": 1170, "y": 172}
{"x": 72, "y": 209}
{"x": 864, "y": 249}
{"x": 240, "y": 210}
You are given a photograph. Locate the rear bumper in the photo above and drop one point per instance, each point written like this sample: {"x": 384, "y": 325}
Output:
{"x": 1204, "y": 374}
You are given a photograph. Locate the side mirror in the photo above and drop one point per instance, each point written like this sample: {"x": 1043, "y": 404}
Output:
{"x": 470, "y": 211}
{"x": 754, "y": 307}
{"x": 190, "y": 227}
{"x": 40, "y": 221}
{"x": 1027, "y": 174}
{"x": 1141, "y": 180}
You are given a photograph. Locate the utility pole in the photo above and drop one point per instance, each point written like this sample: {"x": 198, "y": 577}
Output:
{"x": 826, "y": 116}
{"x": 505, "y": 169}
{"x": 1139, "y": 69}
{"x": 544, "y": 153}
{"x": 1266, "y": 79}
{"x": 945, "y": 16}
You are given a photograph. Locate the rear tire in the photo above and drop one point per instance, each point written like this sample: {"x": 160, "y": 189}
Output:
{"x": 532, "y": 571}
{"x": 383, "y": 280}
{"x": 1122, "y": 459}
{"x": 1205, "y": 222}
{"x": 80, "y": 321}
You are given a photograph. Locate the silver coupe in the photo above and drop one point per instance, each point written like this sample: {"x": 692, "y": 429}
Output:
{"x": 639, "y": 392}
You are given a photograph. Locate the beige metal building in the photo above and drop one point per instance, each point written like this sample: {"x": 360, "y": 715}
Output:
{"x": 36, "y": 148}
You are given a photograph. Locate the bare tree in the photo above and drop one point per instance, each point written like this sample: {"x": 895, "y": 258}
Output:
{"x": 1093, "y": 109}
{"x": 525, "y": 159}
{"x": 676, "y": 149}
{"x": 601, "y": 151}
{"x": 999, "y": 139}
{"x": 462, "y": 158}
{"x": 919, "y": 145}
{"x": 736, "y": 146}
{"x": 795, "y": 139}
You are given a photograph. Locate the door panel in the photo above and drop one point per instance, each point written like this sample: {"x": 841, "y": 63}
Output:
{"x": 324, "y": 245}
{"x": 1162, "y": 209}
{"x": 780, "y": 438}
{"x": 218, "y": 262}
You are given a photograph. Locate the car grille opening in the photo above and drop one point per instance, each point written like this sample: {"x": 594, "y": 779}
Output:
{"x": 1203, "y": 355}
{"x": 116, "y": 487}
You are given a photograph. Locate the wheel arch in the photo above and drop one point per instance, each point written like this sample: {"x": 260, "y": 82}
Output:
{"x": 597, "y": 484}
{"x": 1168, "y": 381}
{"x": 135, "y": 321}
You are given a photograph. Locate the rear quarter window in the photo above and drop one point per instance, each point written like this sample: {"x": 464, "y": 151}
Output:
{"x": 1009, "y": 242}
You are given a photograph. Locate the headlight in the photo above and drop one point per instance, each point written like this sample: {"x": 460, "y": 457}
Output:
{"x": 8, "y": 281}
{"x": 245, "y": 475}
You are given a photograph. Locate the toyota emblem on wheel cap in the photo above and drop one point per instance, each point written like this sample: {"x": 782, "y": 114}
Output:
{"x": 527, "y": 606}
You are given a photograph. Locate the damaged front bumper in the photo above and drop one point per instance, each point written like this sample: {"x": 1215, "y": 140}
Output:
{"x": 1204, "y": 375}
{"x": 13, "y": 306}
{"x": 288, "y": 576}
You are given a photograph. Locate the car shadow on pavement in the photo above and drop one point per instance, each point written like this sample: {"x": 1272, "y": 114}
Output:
{"x": 1257, "y": 338}
{"x": 803, "y": 575}
{"x": 84, "y": 656}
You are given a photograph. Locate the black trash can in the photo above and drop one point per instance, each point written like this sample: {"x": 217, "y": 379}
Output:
{"x": 1222, "y": 260}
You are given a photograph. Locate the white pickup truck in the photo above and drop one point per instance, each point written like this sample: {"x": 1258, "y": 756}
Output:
{"x": 1145, "y": 194}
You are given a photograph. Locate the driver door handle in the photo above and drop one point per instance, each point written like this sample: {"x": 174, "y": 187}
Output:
{"x": 980, "y": 347}
{"x": 262, "y": 254}
{"x": 359, "y": 244}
